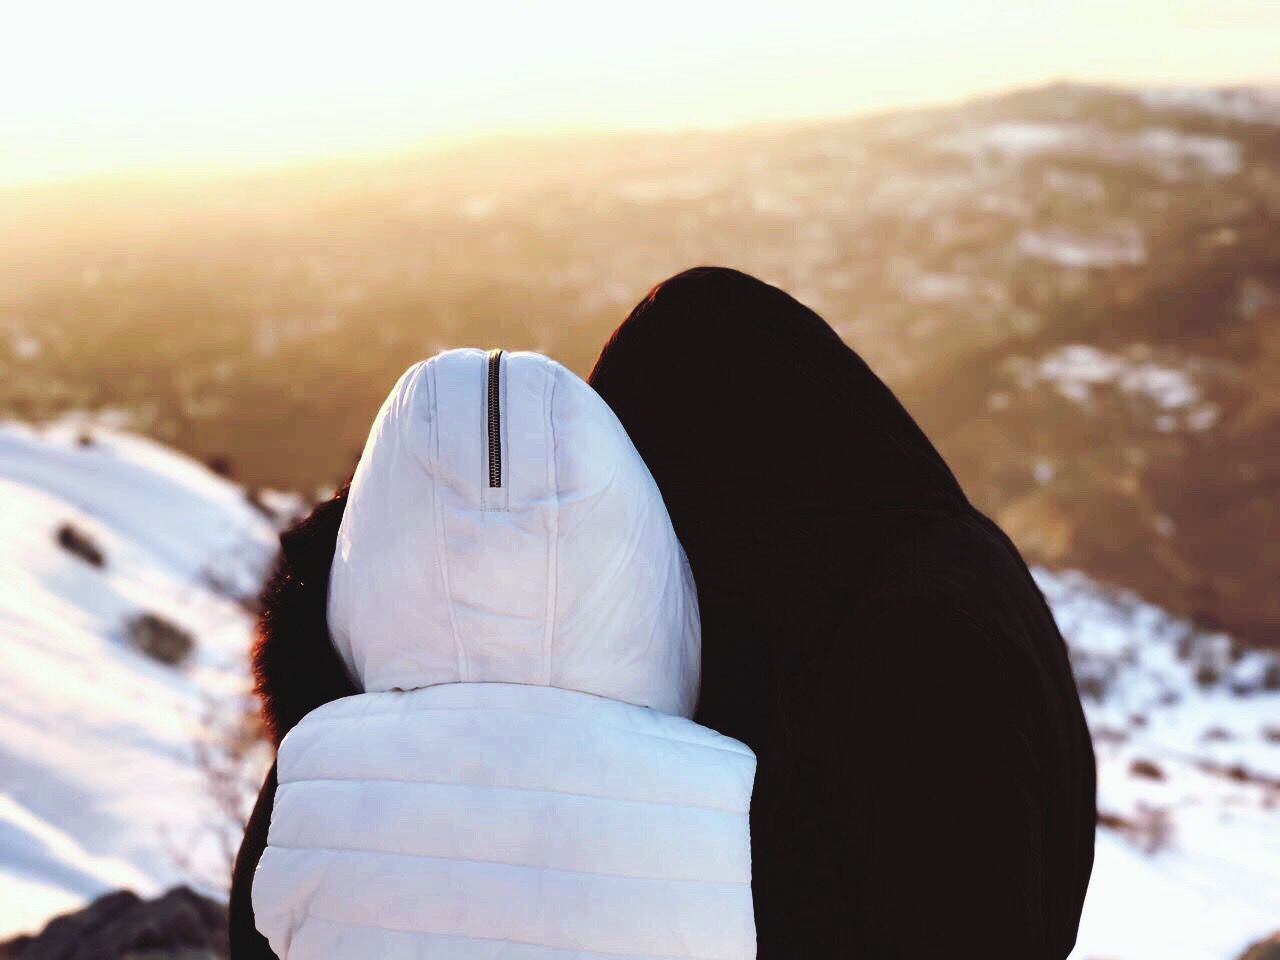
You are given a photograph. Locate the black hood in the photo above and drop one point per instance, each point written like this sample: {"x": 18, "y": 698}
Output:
{"x": 785, "y": 462}
{"x": 925, "y": 783}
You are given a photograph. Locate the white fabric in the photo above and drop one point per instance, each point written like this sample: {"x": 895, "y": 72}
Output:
{"x": 569, "y": 575}
{"x": 519, "y": 781}
{"x": 494, "y": 820}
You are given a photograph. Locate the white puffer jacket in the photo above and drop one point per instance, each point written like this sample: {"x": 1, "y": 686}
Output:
{"x": 520, "y": 780}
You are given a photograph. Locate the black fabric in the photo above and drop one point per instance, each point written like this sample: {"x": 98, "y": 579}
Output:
{"x": 296, "y": 669}
{"x": 926, "y": 779}
{"x": 295, "y": 666}
{"x": 246, "y": 943}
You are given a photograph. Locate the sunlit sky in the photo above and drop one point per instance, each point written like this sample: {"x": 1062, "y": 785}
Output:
{"x": 112, "y": 86}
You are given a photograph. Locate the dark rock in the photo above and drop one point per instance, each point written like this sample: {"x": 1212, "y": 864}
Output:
{"x": 81, "y": 545}
{"x": 1207, "y": 675}
{"x": 160, "y": 639}
{"x": 253, "y": 496}
{"x": 1145, "y": 769}
{"x": 222, "y": 466}
{"x": 1271, "y": 677}
{"x": 1113, "y": 821}
{"x": 1268, "y": 949}
{"x": 180, "y": 925}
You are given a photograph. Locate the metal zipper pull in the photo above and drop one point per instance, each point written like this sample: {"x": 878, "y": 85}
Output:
{"x": 494, "y": 395}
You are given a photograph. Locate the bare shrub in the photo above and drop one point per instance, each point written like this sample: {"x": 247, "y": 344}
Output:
{"x": 1207, "y": 674}
{"x": 1271, "y": 676}
{"x": 253, "y": 497}
{"x": 1094, "y": 677}
{"x": 1150, "y": 829}
{"x": 231, "y": 755}
{"x": 160, "y": 639}
{"x": 1146, "y": 769}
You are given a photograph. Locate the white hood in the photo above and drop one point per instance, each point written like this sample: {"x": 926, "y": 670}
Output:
{"x": 502, "y": 528}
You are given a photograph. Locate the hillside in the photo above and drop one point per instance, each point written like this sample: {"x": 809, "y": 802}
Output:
{"x": 1186, "y": 726}
{"x": 122, "y": 771}
{"x": 124, "y": 754}
{"x": 1076, "y": 289}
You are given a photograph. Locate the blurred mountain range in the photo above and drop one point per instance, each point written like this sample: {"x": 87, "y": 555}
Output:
{"x": 1075, "y": 289}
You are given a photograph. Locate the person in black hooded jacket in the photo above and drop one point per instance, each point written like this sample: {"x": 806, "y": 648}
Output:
{"x": 926, "y": 780}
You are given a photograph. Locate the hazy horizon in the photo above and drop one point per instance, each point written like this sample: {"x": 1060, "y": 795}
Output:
{"x": 144, "y": 87}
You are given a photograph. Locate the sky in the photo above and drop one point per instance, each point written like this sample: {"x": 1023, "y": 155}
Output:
{"x": 138, "y": 86}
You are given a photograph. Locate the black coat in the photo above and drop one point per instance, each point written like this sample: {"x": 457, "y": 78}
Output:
{"x": 926, "y": 782}
{"x": 296, "y": 669}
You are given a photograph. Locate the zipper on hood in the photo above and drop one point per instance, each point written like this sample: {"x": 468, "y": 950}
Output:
{"x": 494, "y": 402}
{"x": 502, "y": 528}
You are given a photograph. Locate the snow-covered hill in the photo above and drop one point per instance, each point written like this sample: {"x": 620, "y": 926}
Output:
{"x": 102, "y": 783}
{"x": 1186, "y": 726}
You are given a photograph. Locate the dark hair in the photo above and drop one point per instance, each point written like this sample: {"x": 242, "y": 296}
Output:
{"x": 295, "y": 666}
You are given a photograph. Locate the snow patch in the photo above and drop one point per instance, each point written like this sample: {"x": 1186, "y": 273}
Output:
{"x": 1170, "y": 149}
{"x": 1068, "y": 248}
{"x": 1243, "y": 104}
{"x": 926, "y": 287}
{"x": 100, "y": 785}
{"x": 1181, "y": 722}
{"x": 1164, "y": 151}
{"x": 1087, "y": 375}
{"x": 660, "y": 188}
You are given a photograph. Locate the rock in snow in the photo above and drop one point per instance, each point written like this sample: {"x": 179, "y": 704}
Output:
{"x": 181, "y": 925}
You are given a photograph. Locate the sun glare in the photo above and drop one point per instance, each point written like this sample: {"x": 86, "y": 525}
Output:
{"x": 94, "y": 88}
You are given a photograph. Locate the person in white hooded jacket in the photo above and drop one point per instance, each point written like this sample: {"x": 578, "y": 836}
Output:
{"x": 516, "y": 777}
